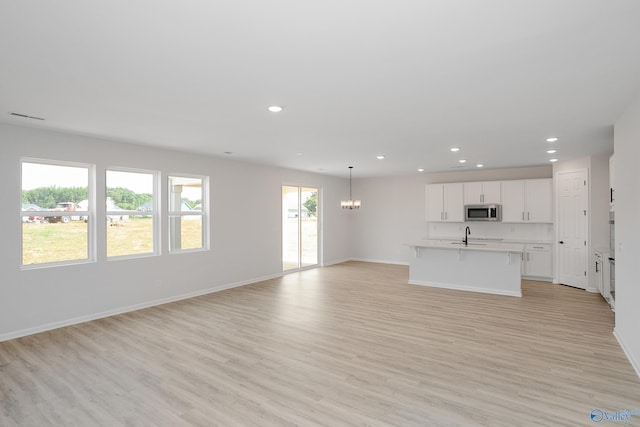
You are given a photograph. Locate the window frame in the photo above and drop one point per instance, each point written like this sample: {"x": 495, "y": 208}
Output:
{"x": 156, "y": 214}
{"x": 203, "y": 213}
{"x": 90, "y": 213}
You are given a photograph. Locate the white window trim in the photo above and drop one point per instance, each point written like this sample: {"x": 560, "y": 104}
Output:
{"x": 155, "y": 214}
{"x": 204, "y": 213}
{"x": 89, "y": 214}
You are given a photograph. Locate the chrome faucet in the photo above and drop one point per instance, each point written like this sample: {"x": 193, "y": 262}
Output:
{"x": 467, "y": 232}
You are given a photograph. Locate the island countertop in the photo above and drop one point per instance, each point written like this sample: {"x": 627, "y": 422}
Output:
{"x": 487, "y": 246}
{"x": 488, "y": 267}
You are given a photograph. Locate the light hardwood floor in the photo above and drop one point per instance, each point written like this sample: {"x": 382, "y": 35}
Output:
{"x": 350, "y": 344}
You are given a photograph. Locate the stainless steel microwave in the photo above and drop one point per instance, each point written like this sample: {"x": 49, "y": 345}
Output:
{"x": 483, "y": 213}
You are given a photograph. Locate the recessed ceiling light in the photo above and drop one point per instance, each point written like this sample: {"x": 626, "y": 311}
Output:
{"x": 454, "y": 149}
{"x": 479, "y": 165}
{"x": 275, "y": 108}
{"x": 551, "y": 151}
{"x": 420, "y": 170}
{"x": 552, "y": 139}
{"x": 379, "y": 157}
{"x": 553, "y": 160}
{"x": 462, "y": 161}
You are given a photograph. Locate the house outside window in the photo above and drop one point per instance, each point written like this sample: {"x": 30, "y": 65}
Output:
{"x": 56, "y": 213}
{"x": 188, "y": 212}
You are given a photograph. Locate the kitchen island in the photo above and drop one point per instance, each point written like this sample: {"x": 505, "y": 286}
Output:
{"x": 492, "y": 268}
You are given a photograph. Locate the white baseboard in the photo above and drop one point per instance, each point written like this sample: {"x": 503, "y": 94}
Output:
{"x": 538, "y": 279}
{"x": 334, "y": 262}
{"x": 467, "y": 288}
{"x": 632, "y": 360}
{"x": 108, "y": 313}
{"x": 379, "y": 261}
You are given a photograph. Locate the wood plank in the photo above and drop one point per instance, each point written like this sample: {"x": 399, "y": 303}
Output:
{"x": 346, "y": 344}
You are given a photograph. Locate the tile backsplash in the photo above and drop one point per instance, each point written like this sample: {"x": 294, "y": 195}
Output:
{"x": 495, "y": 230}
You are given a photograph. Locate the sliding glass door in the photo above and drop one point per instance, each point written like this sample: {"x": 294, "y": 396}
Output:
{"x": 299, "y": 227}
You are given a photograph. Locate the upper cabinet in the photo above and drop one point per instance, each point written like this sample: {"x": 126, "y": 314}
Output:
{"x": 527, "y": 200}
{"x": 476, "y": 193}
{"x": 524, "y": 200}
{"x": 445, "y": 202}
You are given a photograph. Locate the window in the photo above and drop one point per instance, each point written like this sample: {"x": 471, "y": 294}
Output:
{"x": 56, "y": 213}
{"x": 132, "y": 217}
{"x": 188, "y": 211}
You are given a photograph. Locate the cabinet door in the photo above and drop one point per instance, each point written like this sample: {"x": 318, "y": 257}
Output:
{"x": 472, "y": 193}
{"x": 491, "y": 192}
{"x": 513, "y": 201}
{"x": 598, "y": 275}
{"x": 539, "y": 200}
{"x": 612, "y": 186}
{"x": 453, "y": 202}
{"x": 434, "y": 200}
{"x": 538, "y": 262}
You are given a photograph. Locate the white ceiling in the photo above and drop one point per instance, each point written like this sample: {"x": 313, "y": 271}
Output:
{"x": 357, "y": 78}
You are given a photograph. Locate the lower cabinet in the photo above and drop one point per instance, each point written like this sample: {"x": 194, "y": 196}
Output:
{"x": 602, "y": 275}
{"x": 537, "y": 261}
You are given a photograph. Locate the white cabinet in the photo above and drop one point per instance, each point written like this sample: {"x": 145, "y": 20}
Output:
{"x": 598, "y": 273}
{"x": 539, "y": 200}
{"x": 612, "y": 191}
{"x": 528, "y": 200}
{"x": 445, "y": 202}
{"x": 537, "y": 261}
{"x": 602, "y": 275}
{"x": 513, "y": 201}
{"x": 487, "y": 192}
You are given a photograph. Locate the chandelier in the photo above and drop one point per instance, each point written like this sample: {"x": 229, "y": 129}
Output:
{"x": 350, "y": 204}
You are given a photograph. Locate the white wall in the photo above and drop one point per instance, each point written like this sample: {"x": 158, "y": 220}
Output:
{"x": 245, "y": 233}
{"x": 393, "y": 211}
{"x": 627, "y": 181}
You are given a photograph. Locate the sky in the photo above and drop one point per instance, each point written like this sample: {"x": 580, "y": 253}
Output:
{"x": 35, "y": 175}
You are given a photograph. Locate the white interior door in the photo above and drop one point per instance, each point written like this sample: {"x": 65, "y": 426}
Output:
{"x": 572, "y": 228}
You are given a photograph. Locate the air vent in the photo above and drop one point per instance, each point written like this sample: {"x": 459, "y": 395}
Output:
{"x": 26, "y": 116}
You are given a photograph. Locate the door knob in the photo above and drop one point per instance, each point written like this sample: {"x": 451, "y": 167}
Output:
{"x": 561, "y": 242}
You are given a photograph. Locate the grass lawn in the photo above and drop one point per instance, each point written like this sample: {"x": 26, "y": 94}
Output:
{"x": 57, "y": 242}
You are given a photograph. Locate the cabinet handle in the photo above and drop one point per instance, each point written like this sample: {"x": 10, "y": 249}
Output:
{"x": 538, "y": 247}
{"x": 522, "y": 256}
{"x": 528, "y": 213}
{"x": 611, "y": 194}
{"x": 597, "y": 267}
{"x": 446, "y": 215}
{"x": 482, "y": 198}
{"x": 523, "y": 216}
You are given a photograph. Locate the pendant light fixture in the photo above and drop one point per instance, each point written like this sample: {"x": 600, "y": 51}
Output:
{"x": 350, "y": 204}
